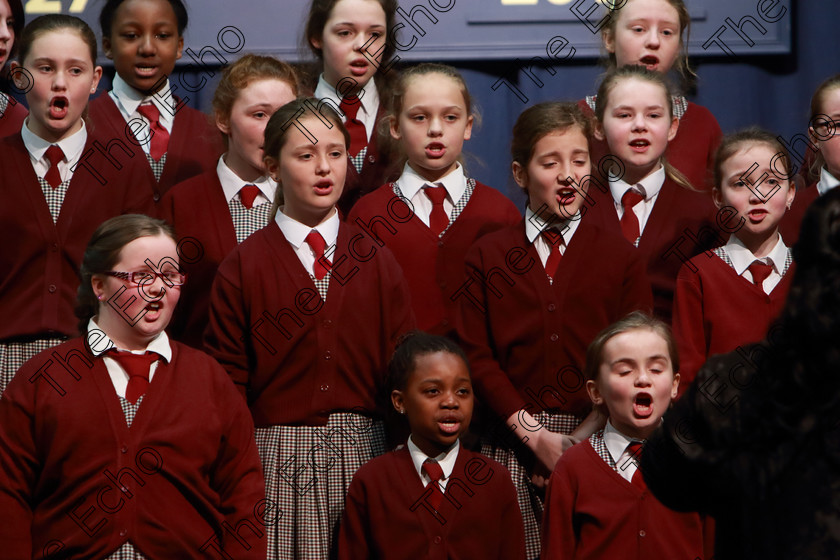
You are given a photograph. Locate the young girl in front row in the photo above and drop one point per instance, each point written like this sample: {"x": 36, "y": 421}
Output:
{"x": 597, "y": 504}
{"x": 537, "y": 293}
{"x": 304, "y": 315}
{"x": 648, "y": 201}
{"x": 122, "y": 444}
{"x": 651, "y": 33}
{"x": 144, "y": 38}
{"x": 824, "y": 172}
{"x": 351, "y": 39}
{"x": 431, "y": 497}
{"x": 55, "y": 189}
{"x": 12, "y": 113}
{"x": 433, "y": 213}
{"x": 732, "y": 298}
{"x": 221, "y": 208}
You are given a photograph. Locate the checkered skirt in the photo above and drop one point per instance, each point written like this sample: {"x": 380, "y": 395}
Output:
{"x": 308, "y": 470}
{"x": 498, "y": 446}
{"x": 15, "y": 354}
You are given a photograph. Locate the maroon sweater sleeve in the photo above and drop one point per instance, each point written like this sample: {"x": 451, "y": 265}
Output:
{"x": 353, "y": 535}
{"x": 689, "y": 325}
{"x": 559, "y": 537}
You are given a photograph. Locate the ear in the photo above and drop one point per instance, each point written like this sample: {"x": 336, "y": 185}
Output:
{"x": 222, "y": 123}
{"x": 608, "y": 38}
{"x": 180, "y": 47}
{"x": 272, "y": 165}
{"x": 593, "y": 392}
{"x": 397, "y": 400}
{"x": 97, "y": 75}
{"x": 520, "y": 175}
{"x": 97, "y": 283}
{"x": 598, "y": 131}
{"x": 675, "y": 386}
{"x": 791, "y": 193}
{"x": 672, "y": 131}
{"x": 19, "y": 75}
{"x": 394, "y": 127}
{"x": 717, "y": 197}
{"x": 317, "y": 42}
{"x": 107, "y": 48}
{"x": 468, "y": 130}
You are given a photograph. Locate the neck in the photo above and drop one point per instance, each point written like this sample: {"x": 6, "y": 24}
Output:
{"x": 634, "y": 175}
{"x": 432, "y": 175}
{"x": 760, "y": 245}
{"x": 242, "y": 169}
{"x": 309, "y": 219}
{"x": 126, "y": 341}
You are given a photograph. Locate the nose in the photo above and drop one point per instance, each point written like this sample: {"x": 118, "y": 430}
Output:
{"x": 643, "y": 379}
{"x": 59, "y": 81}
{"x": 322, "y": 164}
{"x": 147, "y": 46}
{"x": 435, "y": 126}
{"x": 639, "y": 122}
{"x": 652, "y": 38}
{"x": 449, "y": 400}
{"x": 5, "y": 31}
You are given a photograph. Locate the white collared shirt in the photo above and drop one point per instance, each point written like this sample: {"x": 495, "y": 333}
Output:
{"x": 296, "y": 232}
{"x": 617, "y": 443}
{"x": 535, "y": 224}
{"x": 827, "y": 181}
{"x": 652, "y": 184}
{"x": 232, "y": 184}
{"x": 100, "y": 342}
{"x": 742, "y": 258}
{"x": 73, "y": 146}
{"x": 411, "y": 185}
{"x": 446, "y": 460}
{"x": 129, "y": 99}
{"x": 368, "y": 96}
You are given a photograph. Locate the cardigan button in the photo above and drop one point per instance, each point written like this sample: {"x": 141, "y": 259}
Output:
{"x": 552, "y": 307}
{"x": 554, "y": 337}
{"x": 124, "y": 449}
{"x": 327, "y": 323}
{"x": 54, "y": 247}
{"x": 438, "y": 539}
{"x": 156, "y": 197}
{"x": 328, "y": 355}
{"x": 52, "y": 288}
{"x": 642, "y": 533}
{"x": 325, "y": 387}
{"x": 440, "y": 243}
{"x": 123, "y": 532}
{"x": 371, "y": 158}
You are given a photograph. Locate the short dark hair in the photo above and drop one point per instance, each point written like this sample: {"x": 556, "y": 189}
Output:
{"x": 106, "y": 16}
{"x": 412, "y": 345}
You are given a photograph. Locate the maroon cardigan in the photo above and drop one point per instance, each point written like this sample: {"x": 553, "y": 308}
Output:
{"x": 194, "y": 144}
{"x": 433, "y": 266}
{"x": 74, "y": 478}
{"x": 526, "y": 339}
{"x": 387, "y": 515}
{"x": 39, "y": 266}
{"x": 377, "y": 169}
{"x": 11, "y": 121}
{"x": 295, "y": 358}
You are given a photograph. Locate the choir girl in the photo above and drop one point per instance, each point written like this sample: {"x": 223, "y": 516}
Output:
{"x": 824, "y": 171}
{"x": 144, "y": 38}
{"x": 536, "y": 294}
{"x": 55, "y": 189}
{"x": 12, "y": 112}
{"x": 597, "y": 504}
{"x": 353, "y": 44}
{"x": 647, "y": 200}
{"x": 431, "y": 497}
{"x": 653, "y": 34}
{"x": 730, "y": 298}
{"x": 121, "y": 443}
{"x": 304, "y": 315}
{"x": 436, "y": 211}
{"x": 222, "y": 207}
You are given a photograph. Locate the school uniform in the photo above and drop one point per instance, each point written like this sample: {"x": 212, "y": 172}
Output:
{"x": 371, "y": 167}
{"x": 526, "y": 335}
{"x": 692, "y": 150}
{"x": 208, "y": 208}
{"x": 433, "y": 263}
{"x": 88, "y": 474}
{"x": 675, "y": 225}
{"x": 310, "y": 357}
{"x": 594, "y": 509}
{"x": 388, "y": 515}
{"x": 51, "y": 228}
{"x": 792, "y": 220}
{"x": 12, "y": 115}
{"x": 718, "y": 307}
{"x": 194, "y": 143}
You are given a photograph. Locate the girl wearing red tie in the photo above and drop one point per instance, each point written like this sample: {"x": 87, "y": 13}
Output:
{"x": 222, "y": 207}
{"x": 144, "y": 38}
{"x": 304, "y": 315}
{"x": 433, "y": 212}
{"x": 121, "y": 443}
{"x": 55, "y": 189}
{"x": 731, "y": 299}
{"x": 350, "y": 40}
{"x": 12, "y": 113}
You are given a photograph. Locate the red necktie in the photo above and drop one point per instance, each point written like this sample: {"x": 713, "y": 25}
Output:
{"x": 137, "y": 367}
{"x": 760, "y": 271}
{"x": 635, "y": 451}
{"x": 438, "y": 220}
{"x": 160, "y": 136}
{"x": 629, "y": 221}
{"x": 54, "y": 155}
{"x": 435, "y": 473}
{"x": 322, "y": 265}
{"x": 247, "y": 195}
{"x": 358, "y": 134}
{"x": 554, "y": 240}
